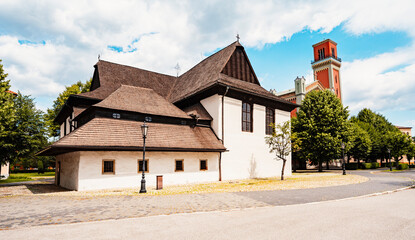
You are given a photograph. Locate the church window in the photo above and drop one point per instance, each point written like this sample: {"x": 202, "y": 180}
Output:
{"x": 333, "y": 53}
{"x": 108, "y": 166}
{"x": 335, "y": 78}
{"x": 179, "y": 166}
{"x": 203, "y": 165}
{"x": 140, "y": 166}
{"x": 270, "y": 118}
{"x": 247, "y": 117}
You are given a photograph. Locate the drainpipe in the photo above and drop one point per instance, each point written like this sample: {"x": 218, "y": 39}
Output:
{"x": 223, "y": 132}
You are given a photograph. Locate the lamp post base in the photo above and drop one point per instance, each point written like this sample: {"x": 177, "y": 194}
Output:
{"x": 143, "y": 186}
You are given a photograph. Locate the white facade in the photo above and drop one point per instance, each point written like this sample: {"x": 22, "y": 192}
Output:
{"x": 4, "y": 170}
{"x": 248, "y": 156}
{"x": 83, "y": 170}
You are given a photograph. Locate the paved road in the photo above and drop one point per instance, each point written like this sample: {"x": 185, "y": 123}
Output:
{"x": 381, "y": 217}
{"x": 28, "y": 211}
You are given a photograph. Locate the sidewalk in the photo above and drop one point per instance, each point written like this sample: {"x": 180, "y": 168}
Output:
{"x": 35, "y": 210}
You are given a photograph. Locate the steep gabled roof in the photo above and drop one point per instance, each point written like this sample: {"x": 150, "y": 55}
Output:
{"x": 203, "y": 74}
{"x": 111, "y": 76}
{"x": 142, "y": 100}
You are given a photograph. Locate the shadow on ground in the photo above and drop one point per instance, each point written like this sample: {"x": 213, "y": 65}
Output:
{"x": 29, "y": 188}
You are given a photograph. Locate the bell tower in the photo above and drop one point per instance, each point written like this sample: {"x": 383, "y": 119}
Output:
{"x": 326, "y": 66}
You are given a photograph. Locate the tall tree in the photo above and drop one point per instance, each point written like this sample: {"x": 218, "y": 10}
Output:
{"x": 280, "y": 142}
{"x": 322, "y": 125}
{"x": 378, "y": 128}
{"x": 79, "y": 87}
{"x": 411, "y": 153}
{"x": 361, "y": 144}
{"x": 399, "y": 145}
{"x": 29, "y": 131}
{"x": 7, "y": 119}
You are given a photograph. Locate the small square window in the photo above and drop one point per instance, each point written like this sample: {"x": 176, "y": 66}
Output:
{"x": 108, "y": 166}
{"x": 140, "y": 166}
{"x": 179, "y": 166}
{"x": 203, "y": 165}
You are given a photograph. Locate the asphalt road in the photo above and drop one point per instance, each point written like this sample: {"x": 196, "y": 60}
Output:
{"x": 388, "y": 216}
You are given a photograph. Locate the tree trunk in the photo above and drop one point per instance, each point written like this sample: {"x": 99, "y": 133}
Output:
{"x": 327, "y": 165}
{"x": 320, "y": 166}
{"x": 357, "y": 163}
{"x": 282, "y": 171}
{"x": 295, "y": 164}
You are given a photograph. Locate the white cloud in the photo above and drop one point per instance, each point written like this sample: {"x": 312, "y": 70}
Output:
{"x": 75, "y": 33}
{"x": 386, "y": 81}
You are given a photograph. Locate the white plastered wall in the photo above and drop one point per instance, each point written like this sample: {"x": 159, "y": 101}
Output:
{"x": 4, "y": 170}
{"x": 160, "y": 163}
{"x": 69, "y": 169}
{"x": 248, "y": 156}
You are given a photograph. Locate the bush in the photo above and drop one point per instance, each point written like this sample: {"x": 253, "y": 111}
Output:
{"x": 40, "y": 168}
{"x": 365, "y": 165}
{"x": 411, "y": 166}
{"x": 402, "y": 166}
{"x": 29, "y": 171}
{"x": 393, "y": 164}
{"x": 374, "y": 165}
{"x": 351, "y": 166}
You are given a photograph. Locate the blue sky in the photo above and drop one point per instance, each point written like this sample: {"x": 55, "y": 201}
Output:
{"x": 48, "y": 45}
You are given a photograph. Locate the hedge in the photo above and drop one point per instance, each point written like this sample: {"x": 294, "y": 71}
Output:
{"x": 393, "y": 164}
{"x": 411, "y": 166}
{"x": 30, "y": 171}
{"x": 402, "y": 166}
{"x": 351, "y": 166}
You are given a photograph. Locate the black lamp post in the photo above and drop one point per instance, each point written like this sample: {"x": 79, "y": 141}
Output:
{"x": 343, "y": 164}
{"x": 144, "y": 130}
{"x": 390, "y": 160}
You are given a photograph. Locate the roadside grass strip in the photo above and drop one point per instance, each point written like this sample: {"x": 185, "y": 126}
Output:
{"x": 259, "y": 184}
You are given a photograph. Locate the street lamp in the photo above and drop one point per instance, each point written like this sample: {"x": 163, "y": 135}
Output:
{"x": 390, "y": 160}
{"x": 343, "y": 164}
{"x": 144, "y": 130}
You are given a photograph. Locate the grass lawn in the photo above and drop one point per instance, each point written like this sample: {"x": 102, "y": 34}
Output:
{"x": 23, "y": 177}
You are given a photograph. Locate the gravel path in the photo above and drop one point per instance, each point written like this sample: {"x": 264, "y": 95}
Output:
{"x": 35, "y": 210}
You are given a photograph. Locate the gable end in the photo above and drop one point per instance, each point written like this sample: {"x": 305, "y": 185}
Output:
{"x": 238, "y": 66}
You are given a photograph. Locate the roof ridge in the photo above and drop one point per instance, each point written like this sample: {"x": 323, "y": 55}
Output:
{"x": 123, "y": 65}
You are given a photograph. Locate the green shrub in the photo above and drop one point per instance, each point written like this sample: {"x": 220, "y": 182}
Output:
{"x": 402, "y": 166}
{"x": 393, "y": 164}
{"x": 364, "y": 165}
{"x": 351, "y": 166}
{"x": 412, "y": 166}
{"x": 374, "y": 165}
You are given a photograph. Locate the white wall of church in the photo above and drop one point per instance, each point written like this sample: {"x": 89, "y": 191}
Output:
{"x": 160, "y": 163}
{"x": 213, "y": 105}
{"x": 4, "y": 170}
{"x": 69, "y": 170}
{"x": 248, "y": 156}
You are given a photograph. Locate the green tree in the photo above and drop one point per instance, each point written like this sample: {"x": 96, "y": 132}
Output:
{"x": 411, "y": 153}
{"x": 29, "y": 131}
{"x": 378, "y": 128}
{"x": 322, "y": 125}
{"x": 280, "y": 142}
{"x": 361, "y": 144}
{"x": 7, "y": 119}
{"x": 399, "y": 145}
{"x": 79, "y": 87}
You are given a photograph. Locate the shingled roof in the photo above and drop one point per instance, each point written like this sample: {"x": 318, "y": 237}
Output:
{"x": 205, "y": 74}
{"x": 112, "y": 75}
{"x": 117, "y": 134}
{"x": 142, "y": 100}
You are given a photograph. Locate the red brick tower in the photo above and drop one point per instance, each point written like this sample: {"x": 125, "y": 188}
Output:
{"x": 326, "y": 66}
